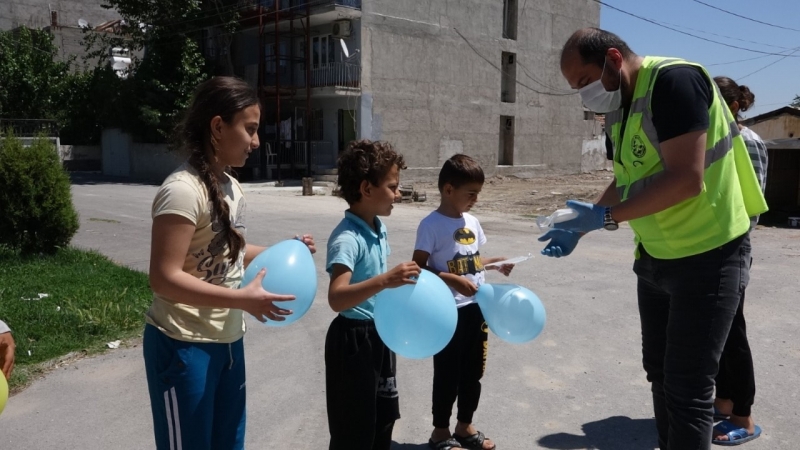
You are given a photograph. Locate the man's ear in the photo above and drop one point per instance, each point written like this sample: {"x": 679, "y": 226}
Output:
{"x": 616, "y": 58}
{"x": 365, "y": 188}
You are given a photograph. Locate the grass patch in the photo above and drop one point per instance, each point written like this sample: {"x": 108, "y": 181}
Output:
{"x": 96, "y": 219}
{"x": 90, "y": 301}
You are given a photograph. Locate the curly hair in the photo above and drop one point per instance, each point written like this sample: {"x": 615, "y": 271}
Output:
{"x": 365, "y": 160}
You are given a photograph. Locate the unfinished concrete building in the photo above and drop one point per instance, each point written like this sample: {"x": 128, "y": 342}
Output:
{"x": 434, "y": 77}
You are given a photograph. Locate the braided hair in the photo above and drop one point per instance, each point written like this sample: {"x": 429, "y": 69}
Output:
{"x": 224, "y": 97}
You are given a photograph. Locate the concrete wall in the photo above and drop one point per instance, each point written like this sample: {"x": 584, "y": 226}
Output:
{"x": 80, "y": 152}
{"x": 594, "y": 156}
{"x": 144, "y": 162}
{"x": 153, "y": 162}
{"x": 36, "y": 13}
{"x": 81, "y": 157}
{"x": 69, "y": 44}
{"x": 781, "y": 127}
{"x": 427, "y": 90}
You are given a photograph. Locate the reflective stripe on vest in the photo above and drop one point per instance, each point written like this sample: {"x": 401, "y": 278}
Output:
{"x": 717, "y": 152}
{"x": 720, "y": 149}
{"x": 730, "y": 191}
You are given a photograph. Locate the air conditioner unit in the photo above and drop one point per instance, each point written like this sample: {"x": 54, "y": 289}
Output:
{"x": 342, "y": 28}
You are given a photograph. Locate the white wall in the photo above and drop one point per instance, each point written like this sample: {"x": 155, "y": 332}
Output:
{"x": 594, "y": 156}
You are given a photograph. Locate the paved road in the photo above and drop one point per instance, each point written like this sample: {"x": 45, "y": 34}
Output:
{"x": 579, "y": 385}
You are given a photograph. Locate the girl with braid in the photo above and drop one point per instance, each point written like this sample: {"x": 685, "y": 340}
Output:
{"x": 193, "y": 352}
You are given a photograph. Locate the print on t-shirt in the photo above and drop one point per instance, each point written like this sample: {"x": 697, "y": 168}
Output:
{"x": 215, "y": 264}
{"x": 469, "y": 263}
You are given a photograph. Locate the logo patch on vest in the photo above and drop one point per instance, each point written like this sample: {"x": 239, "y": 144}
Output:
{"x": 639, "y": 149}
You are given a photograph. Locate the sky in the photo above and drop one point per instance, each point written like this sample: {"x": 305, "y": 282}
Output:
{"x": 776, "y": 80}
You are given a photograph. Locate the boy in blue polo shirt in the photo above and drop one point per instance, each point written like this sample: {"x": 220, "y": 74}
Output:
{"x": 361, "y": 391}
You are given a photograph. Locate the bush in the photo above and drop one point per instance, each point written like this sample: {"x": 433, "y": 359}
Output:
{"x": 35, "y": 198}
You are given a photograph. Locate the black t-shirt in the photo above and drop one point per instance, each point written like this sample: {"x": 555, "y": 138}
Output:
{"x": 681, "y": 98}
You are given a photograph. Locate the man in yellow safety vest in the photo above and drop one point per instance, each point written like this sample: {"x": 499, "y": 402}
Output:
{"x": 684, "y": 181}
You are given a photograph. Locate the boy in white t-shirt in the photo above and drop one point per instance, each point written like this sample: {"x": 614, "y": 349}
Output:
{"x": 448, "y": 243}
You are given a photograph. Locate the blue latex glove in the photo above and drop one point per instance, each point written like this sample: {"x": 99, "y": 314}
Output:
{"x": 562, "y": 242}
{"x": 590, "y": 217}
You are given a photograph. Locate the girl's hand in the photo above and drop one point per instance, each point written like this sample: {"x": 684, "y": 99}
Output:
{"x": 260, "y": 303}
{"x": 309, "y": 241}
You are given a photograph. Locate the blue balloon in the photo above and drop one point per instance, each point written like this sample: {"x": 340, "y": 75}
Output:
{"x": 513, "y": 313}
{"x": 416, "y": 320}
{"x": 290, "y": 271}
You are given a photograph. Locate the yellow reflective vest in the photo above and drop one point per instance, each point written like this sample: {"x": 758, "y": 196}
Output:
{"x": 731, "y": 193}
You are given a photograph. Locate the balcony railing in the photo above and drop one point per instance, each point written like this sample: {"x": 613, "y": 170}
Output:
{"x": 321, "y": 153}
{"x": 29, "y": 127}
{"x": 333, "y": 74}
{"x": 337, "y": 74}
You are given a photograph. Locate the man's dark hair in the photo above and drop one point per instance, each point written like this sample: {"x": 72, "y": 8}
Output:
{"x": 459, "y": 170}
{"x": 592, "y": 45}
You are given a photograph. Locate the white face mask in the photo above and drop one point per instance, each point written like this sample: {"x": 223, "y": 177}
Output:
{"x": 598, "y": 99}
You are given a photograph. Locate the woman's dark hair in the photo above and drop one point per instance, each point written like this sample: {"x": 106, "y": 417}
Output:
{"x": 733, "y": 92}
{"x": 224, "y": 97}
{"x": 365, "y": 160}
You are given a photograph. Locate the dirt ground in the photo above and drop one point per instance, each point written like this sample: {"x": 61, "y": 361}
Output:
{"x": 530, "y": 196}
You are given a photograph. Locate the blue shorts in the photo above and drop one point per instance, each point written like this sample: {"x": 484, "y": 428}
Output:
{"x": 197, "y": 392}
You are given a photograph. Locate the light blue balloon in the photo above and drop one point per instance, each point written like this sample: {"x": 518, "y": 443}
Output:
{"x": 513, "y": 313}
{"x": 290, "y": 271}
{"x": 417, "y": 320}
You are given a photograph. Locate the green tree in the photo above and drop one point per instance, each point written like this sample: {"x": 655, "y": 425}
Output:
{"x": 796, "y": 101}
{"x": 167, "y": 32}
{"x": 30, "y": 79}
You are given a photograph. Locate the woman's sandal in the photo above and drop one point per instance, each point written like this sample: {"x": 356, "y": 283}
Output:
{"x": 474, "y": 442}
{"x": 446, "y": 444}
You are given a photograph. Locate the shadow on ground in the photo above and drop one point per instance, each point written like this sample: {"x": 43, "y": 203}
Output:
{"x": 97, "y": 178}
{"x": 613, "y": 433}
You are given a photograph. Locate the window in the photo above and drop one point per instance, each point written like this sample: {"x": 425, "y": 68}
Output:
{"x": 505, "y": 155}
{"x": 322, "y": 51}
{"x": 508, "y": 78}
{"x": 510, "y": 19}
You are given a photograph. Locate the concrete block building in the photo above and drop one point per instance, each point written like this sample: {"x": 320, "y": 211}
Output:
{"x": 64, "y": 19}
{"x": 434, "y": 77}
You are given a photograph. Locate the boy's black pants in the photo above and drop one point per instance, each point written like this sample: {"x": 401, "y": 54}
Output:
{"x": 360, "y": 386}
{"x": 459, "y": 367}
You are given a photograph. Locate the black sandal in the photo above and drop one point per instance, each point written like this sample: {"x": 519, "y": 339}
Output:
{"x": 446, "y": 444}
{"x": 474, "y": 442}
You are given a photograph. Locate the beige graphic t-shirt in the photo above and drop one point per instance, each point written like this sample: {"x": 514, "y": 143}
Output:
{"x": 183, "y": 193}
